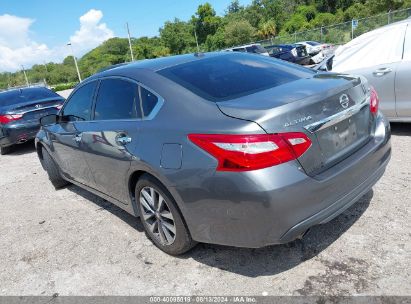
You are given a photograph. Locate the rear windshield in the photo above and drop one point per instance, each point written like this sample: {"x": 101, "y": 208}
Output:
{"x": 233, "y": 75}
{"x": 16, "y": 96}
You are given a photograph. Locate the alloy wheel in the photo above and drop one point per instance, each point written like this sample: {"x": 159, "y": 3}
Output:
{"x": 157, "y": 215}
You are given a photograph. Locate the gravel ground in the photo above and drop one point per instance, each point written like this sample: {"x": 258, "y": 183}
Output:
{"x": 71, "y": 242}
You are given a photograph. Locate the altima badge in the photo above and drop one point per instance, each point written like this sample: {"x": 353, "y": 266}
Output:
{"x": 297, "y": 121}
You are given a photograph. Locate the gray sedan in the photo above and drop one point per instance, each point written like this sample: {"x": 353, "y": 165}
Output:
{"x": 226, "y": 148}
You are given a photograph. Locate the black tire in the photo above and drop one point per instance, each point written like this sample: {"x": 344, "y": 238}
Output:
{"x": 53, "y": 170}
{"x": 6, "y": 150}
{"x": 182, "y": 239}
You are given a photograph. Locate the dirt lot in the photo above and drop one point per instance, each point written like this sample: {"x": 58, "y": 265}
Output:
{"x": 71, "y": 242}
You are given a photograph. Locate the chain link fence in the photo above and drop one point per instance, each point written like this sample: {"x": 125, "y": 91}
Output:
{"x": 341, "y": 33}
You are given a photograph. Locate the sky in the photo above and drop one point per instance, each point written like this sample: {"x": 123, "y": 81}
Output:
{"x": 38, "y": 31}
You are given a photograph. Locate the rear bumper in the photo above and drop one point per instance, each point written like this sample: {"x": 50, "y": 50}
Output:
{"x": 17, "y": 133}
{"x": 278, "y": 204}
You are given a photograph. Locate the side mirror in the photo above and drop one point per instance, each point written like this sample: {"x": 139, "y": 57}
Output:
{"x": 49, "y": 120}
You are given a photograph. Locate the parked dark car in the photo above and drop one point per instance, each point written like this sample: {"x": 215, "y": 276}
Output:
{"x": 228, "y": 148}
{"x": 295, "y": 53}
{"x": 20, "y": 111}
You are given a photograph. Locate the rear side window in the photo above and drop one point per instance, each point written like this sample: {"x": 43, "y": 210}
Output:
{"x": 148, "y": 101}
{"x": 233, "y": 75}
{"x": 79, "y": 104}
{"x": 117, "y": 99}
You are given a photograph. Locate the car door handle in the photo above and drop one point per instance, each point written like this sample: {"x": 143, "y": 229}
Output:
{"x": 77, "y": 138}
{"x": 123, "y": 140}
{"x": 381, "y": 72}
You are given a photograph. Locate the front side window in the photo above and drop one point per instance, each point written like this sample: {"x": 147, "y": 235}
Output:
{"x": 117, "y": 99}
{"x": 78, "y": 107}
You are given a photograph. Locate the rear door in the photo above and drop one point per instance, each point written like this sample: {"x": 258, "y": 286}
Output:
{"x": 382, "y": 78}
{"x": 112, "y": 135}
{"x": 403, "y": 79}
{"x": 66, "y": 136}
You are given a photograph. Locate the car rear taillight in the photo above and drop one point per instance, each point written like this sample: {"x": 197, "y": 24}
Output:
{"x": 252, "y": 152}
{"x": 5, "y": 119}
{"x": 374, "y": 101}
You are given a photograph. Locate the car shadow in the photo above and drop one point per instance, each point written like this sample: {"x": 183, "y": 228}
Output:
{"x": 401, "y": 129}
{"x": 21, "y": 149}
{"x": 265, "y": 261}
{"x": 106, "y": 205}
{"x": 275, "y": 259}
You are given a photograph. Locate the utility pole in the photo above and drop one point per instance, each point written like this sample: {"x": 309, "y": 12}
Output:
{"x": 195, "y": 35}
{"x": 25, "y": 76}
{"x": 75, "y": 61}
{"x": 321, "y": 34}
{"x": 47, "y": 71}
{"x": 352, "y": 29}
{"x": 129, "y": 42}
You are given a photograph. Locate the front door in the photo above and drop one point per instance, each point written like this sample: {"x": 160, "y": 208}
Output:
{"x": 111, "y": 136}
{"x": 66, "y": 136}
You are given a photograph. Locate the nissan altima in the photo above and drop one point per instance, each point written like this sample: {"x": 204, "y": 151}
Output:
{"x": 226, "y": 148}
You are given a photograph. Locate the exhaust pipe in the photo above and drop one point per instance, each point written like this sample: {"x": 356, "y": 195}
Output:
{"x": 302, "y": 235}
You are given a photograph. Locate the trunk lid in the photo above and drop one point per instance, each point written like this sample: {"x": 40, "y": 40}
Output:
{"x": 34, "y": 110}
{"x": 332, "y": 109}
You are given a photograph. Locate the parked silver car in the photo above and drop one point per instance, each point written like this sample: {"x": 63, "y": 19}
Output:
{"x": 228, "y": 148}
{"x": 383, "y": 56}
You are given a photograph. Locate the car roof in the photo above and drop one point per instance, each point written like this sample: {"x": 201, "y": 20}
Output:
{"x": 158, "y": 64}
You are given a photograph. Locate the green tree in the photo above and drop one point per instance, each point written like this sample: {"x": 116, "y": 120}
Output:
{"x": 308, "y": 11}
{"x": 178, "y": 36}
{"x": 234, "y": 7}
{"x": 238, "y": 32}
{"x": 378, "y": 6}
{"x": 267, "y": 29}
{"x": 205, "y": 22}
{"x": 323, "y": 19}
{"x": 216, "y": 41}
{"x": 295, "y": 24}
{"x": 147, "y": 48}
